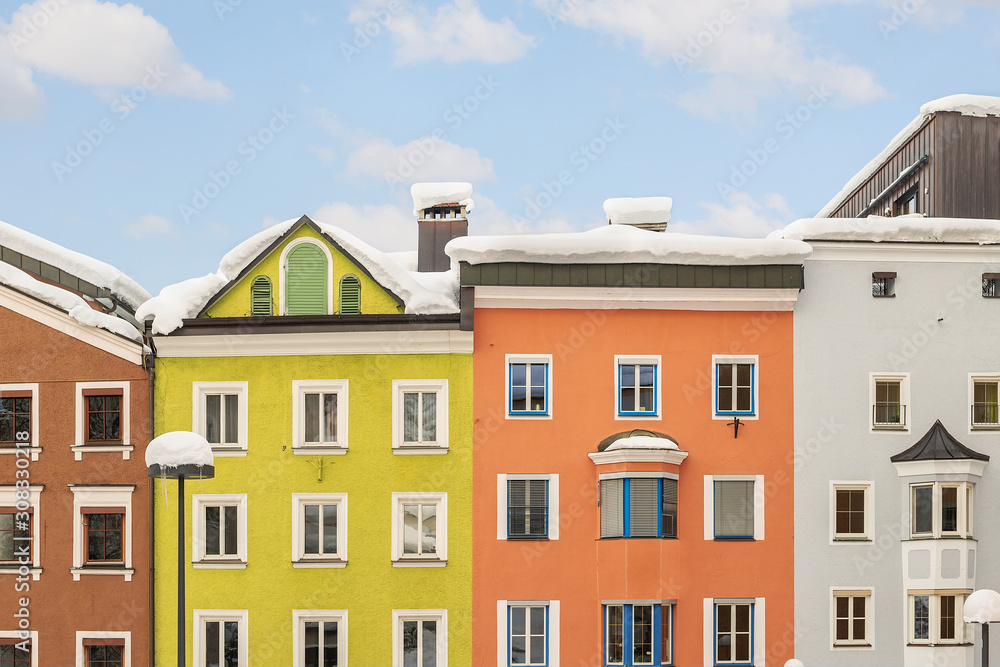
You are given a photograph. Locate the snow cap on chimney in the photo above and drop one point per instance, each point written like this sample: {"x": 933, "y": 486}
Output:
{"x": 442, "y": 214}
{"x": 430, "y": 195}
{"x": 652, "y": 213}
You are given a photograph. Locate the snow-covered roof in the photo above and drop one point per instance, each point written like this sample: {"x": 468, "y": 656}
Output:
{"x": 623, "y": 244}
{"x": 73, "y": 304}
{"x": 92, "y": 270}
{"x": 642, "y": 442}
{"x": 421, "y": 293}
{"x": 913, "y": 228}
{"x": 426, "y": 195}
{"x": 179, "y": 448}
{"x": 637, "y": 210}
{"x": 967, "y": 105}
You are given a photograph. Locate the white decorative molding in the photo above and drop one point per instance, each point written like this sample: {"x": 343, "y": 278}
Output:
{"x": 671, "y": 456}
{"x": 316, "y": 343}
{"x": 855, "y": 251}
{"x": 636, "y": 298}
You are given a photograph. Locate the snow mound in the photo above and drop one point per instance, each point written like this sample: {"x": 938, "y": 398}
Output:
{"x": 422, "y": 293}
{"x": 983, "y": 606}
{"x": 74, "y": 305}
{"x": 912, "y": 228}
{"x": 92, "y": 270}
{"x": 179, "y": 448}
{"x": 967, "y": 105}
{"x": 637, "y": 210}
{"x": 426, "y": 195}
{"x": 642, "y": 442}
{"x": 623, "y": 244}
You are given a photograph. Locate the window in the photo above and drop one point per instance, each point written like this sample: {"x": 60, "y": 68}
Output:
{"x": 936, "y": 618}
{"x": 420, "y": 416}
{"x": 851, "y": 616}
{"x": 102, "y": 418}
{"x": 103, "y": 649}
{"x": 985, "y": 413}
{"x": 419, "y": 529}
{"x": 219, "y": 530}
{"x": 889, "y": 395}
{"x": 19, "y": 419}
{"x": 851, "y": 511}
{"x": 528, "y": 631}
{"x": 529, "y": 386}
{"x": 735, "y": 386}
{"x": 734, "y": 509}
{"x": 319, "y": 529}
{"x": 638, "y": 634}
{"x": 907, "y": 203}
{"x": 319, "y": 416}
{"x": 11, "y": 654}
{"x": 420, "y": 637}
{"x": 15, "y": 536}
{"x": 350, "y": 295}
{"x": 734, "y": 633}
{"x": 307, "y": 279}
{"x": 884, "y": 284}
{"x": 990, "y": 281}
{"x": 19, "y": 530}
{"x": 105, "y": 535}
{"x": 261, "y": 304}
{"x": 638, "y": 506}
{"x": 220, "y": 415}
{"x": 220, "y": 637}
{"x": 941, "y": 509}
{"x": 320, "y": 638}
{"x": 638, "y": 382}
{"x": 102, "y": 533}
{"x": 527, "y": 507}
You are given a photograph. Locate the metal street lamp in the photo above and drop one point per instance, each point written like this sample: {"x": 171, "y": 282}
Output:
{"x": 983, "y": 606}
{"x": 179, "y": 455}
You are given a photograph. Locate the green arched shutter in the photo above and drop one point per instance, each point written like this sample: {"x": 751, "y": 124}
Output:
{"x": 305, "y": 281}
{"x": 260, "y": 297}
{"x": 350, "y": 295}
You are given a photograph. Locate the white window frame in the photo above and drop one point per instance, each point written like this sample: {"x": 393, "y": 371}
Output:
{"x": 440, "y": 616}
{"x": 758, "y": 631}
{"x": 241, "y": 616}
{"x": 636, "y": 360}
{"x": 844, "y": 485}
{"x": 440, "y": 559}
{"x": 299, "y": 390}
{"x": 973, "y": 379}
{"x": 963, "y": 631}
{"x": 439, "y": 387}
{"x": 199, "y": 413}
{"x": 283, "y": 273}
{"x": 199, "y": 502}
{"x": 32, "y": 637}
{"x": 851, "y": 591}
{"x": 299, "y": 557}
{"x": 101, "y": 496}
{"x": 553, "y": 522}
{"x": 904, "y": 402}
{"x": 724, "y": 359}
{"x": 299, "y": 618}
{"x": 758, "y": 504}
{"x": 33, "y": 445}
{"x": 80, "y": 445}
{"x": 528, "y": 359}
{"x": 81, "y": 653}
{"x": 965, "y": 514}
{"x": 503, "y": 630}
{"x": 8, "y": 498}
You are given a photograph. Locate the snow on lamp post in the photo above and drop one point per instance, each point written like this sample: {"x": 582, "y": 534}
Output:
{"x": 794, "y": 662}
{"x": 983, "y": 606}
{"x": 177, "y": 455}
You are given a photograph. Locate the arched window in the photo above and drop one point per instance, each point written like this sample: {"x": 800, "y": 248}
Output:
{"x": 260, "y": 297}
{"x": 350, "y": 295}
{"x": 305, "y": 281}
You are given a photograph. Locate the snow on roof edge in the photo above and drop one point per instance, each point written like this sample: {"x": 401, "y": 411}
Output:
{"x": 913, "y": 228}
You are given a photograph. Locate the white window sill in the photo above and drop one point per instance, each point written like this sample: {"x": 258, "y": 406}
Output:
{"x": 228, "y": 451}
{"x": 529, "y": 415}
{"x": 127, "y": 572}
{"x": 78, "y": 450}
{"x": 985, "y": 427}
{"x": 319, "y": 563}
{"x": 219, "y": 565}
{"x": 853, "y": 647}
{"x": 419, "y": 563}
{"x": 7, "y": 568}
{"x": 13, "y": 449}
{"x": 305, "y": 450}
{"x": 419, "y": 449}
{"x": 844, "y": 539}
{"x": 639, "y": 417}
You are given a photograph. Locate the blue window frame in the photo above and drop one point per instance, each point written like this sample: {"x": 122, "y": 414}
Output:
{"x": 528, "y": 388}
{"x": 638, "y": 388}
{"x": 736, "y": 387}
{"x": 734, "y": 633}
{"x": 638, "y": 634}
{"x": 639, "y": 507}
{"x": 527, "y": 508}
{"x": 528, "y": 635}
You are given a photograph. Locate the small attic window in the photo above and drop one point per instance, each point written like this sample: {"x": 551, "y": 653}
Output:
{"x": 884, "y": 284}
{"x": 350, "y": 295}
{"x": 990, "y": 281}
{"x": 907, "y": 203}
{"x": 260, "y": 297}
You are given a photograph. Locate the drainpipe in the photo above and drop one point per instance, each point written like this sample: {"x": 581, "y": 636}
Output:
{"x": 149, "y": 360}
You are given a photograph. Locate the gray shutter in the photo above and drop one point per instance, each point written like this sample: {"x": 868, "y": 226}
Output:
{"x": 734, "y": 509}
{"x": 644, "y": 507}
{"x": 350, "y": 295}
{"x": 516, "y": 501}
{"x": 669, "y": 508}
{"x": 305, "y": 284}
{"x": 260, "y": 297}
{"x": 612, "y": 507}
{"x": 538, "y": 507}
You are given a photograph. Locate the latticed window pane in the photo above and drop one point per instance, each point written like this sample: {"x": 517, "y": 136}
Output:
{"x": 642, "y": 635}
{"x": 15, "y": 420}
{"x": 734, "y": 390}
{"x": 104, "y": 419}
{"x": 887, "y": 402}
{"x": 949, "y": 509}
{"x": 850, "y": 511}
{"x": 921, "y": 617}
{"x": 527, "y": 387}
{"x": 985, "y": 405}
{"x": 947, "y": 617}
{"x": 615, "y": 634}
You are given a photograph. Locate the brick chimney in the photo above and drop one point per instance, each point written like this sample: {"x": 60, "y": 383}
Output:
{"x": 442, "y": 211}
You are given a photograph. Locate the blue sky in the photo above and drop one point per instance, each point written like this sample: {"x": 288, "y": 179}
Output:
{"x": 156, "y": 136}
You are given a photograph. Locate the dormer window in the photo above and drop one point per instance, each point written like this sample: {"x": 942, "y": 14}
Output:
{"x": 884, "y": 284}
{"x": 907, "y": 203}
{"x": 306, "y": 279}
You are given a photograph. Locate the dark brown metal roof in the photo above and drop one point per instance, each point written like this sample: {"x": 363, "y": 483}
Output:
{"x": 938, "y": 445}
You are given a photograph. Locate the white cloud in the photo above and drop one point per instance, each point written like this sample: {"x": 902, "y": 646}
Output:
{"x": 102, "y": 45}
{"x": 741, "y": 215}
{"x": 387, "y": 227}
{"x": 425, "y": 159}
{"x": 457, "y": 32}
{"x": 325, "y": 155}
{"x": 149, "y": 225}
{"x": 22, "y": 98}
